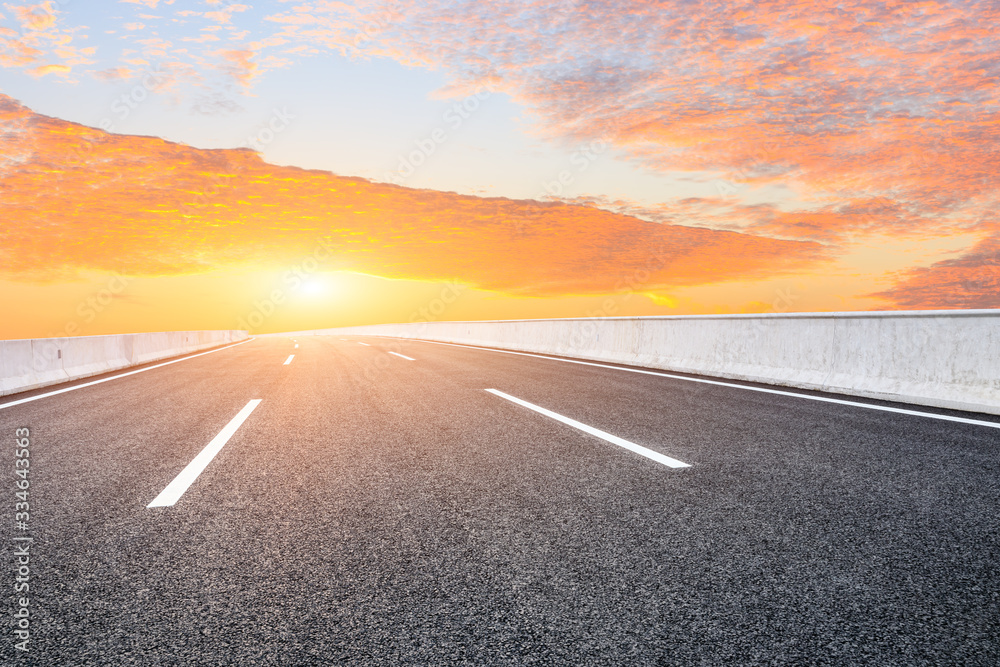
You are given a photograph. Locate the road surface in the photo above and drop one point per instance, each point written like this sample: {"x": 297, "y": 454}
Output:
{"x": 337, "y": 500}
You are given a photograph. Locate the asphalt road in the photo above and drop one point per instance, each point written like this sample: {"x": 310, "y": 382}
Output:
{"x": 375, "y": 509}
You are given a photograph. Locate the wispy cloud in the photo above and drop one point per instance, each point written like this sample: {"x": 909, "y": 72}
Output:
{"x": 855, "y": 102}
{"x": 146, "y": 3}
{"x": 33, "y": 38}
{"x": 240, "y": 65}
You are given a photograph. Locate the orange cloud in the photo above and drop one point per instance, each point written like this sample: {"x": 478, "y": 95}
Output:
{"x": 969, "y": 281}
{"x": 240, "y": 65}
{"x": 116, "y": 74}
{"x": 828, "y": 224}
{"x": 37, "y": 42}
{"x": 50, "y": 69}
{"x": 83, "y": 199}
{"x": 36, "y": 17}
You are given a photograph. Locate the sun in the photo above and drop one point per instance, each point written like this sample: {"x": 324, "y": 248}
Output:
{"x": 313, "y": 287}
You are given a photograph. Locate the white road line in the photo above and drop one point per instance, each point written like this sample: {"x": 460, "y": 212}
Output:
{"x": 186, "y": 478}
{"x": 91, "y": 384}
{"x": 823, "y": 399}
{"x": 402, "y": 355}
{"x": 613, "y": 439}
{"x": 296, "y": 346}
{"x": 288, "y": 360}
{"x": 365, "y": 344}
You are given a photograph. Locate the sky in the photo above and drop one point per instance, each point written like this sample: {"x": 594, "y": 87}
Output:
{"x": 305, "y": 164}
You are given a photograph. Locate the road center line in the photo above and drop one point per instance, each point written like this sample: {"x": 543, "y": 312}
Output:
{"x": 402, "y": 355}
{"x": 718, "y": 383}
{"x": 288, "y": 360}
{"x": 186, "y": 478}
{"x": 296, "y": 346}
{"x": 613, "y": 439}
{"x": 115, "y": 377}
{"x": 365, "y": 344}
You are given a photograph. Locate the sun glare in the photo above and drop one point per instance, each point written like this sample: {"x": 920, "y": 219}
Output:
{"x": 314, "y": 287}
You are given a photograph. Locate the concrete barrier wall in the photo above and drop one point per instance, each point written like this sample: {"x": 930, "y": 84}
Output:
{"x": 948, "y": 359}
{"x": 33, "y": 363}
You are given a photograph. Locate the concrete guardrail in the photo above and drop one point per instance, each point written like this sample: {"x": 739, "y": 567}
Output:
{"x": 38, "y": 362}
{"x": 942, "y": 358}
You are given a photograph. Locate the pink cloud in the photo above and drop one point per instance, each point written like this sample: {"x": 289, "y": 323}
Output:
{"x": 146, "y": 3}
{"x": 239, "y": 64}
{"x": 39, "y": 43}
{"x": 842, "y": 101}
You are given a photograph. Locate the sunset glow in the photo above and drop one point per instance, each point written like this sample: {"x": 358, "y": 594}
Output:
{"x": 210, "y": 165}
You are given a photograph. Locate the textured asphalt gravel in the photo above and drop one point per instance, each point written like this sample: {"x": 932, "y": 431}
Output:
{"x": 379, "y": 511}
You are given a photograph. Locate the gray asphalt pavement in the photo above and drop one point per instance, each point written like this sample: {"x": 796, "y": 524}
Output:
{"x": 379, "y": 510}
